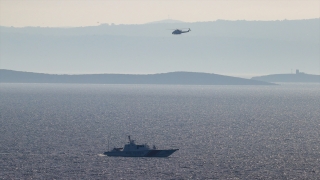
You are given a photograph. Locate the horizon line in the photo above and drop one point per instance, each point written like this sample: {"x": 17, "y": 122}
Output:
{"x": 158, "y": 22}
{"x": 154, "y": 73}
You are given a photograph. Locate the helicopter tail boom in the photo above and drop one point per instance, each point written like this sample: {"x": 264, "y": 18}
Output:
{"x": 186, "y": 31}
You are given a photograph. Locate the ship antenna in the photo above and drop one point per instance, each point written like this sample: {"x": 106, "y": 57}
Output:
{"x": 108, "y": 143}
{"x": 129, "y": 139}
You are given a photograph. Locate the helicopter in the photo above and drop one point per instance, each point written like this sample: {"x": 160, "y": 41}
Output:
{"x": 179, "y": 31}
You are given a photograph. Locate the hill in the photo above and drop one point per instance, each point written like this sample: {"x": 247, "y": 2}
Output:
{"x": 298, "y": 77}
{"x": 177, "y": 78}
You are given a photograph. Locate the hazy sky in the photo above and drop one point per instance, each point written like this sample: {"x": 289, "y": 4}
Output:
{"x": 55, "y": 13}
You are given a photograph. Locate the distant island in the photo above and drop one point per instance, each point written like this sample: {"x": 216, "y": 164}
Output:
{"x": 297, "y": 77}
{"x": 174, "y": 78}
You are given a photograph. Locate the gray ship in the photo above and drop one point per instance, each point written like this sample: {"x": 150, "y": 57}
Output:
{"x": 133, "y": 150}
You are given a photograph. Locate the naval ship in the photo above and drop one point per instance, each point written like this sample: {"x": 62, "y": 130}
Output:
{"x": 134, "y": 150}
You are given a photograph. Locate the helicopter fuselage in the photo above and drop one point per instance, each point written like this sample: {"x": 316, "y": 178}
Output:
{"x": 178, "y": 31}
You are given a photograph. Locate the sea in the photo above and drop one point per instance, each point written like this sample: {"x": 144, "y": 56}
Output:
{"x": 60, "y": 131}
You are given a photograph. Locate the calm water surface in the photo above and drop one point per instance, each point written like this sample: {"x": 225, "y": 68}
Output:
{"x": 59, "y": 131}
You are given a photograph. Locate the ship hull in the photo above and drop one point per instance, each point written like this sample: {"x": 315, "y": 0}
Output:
{"x": 146, "y": 153}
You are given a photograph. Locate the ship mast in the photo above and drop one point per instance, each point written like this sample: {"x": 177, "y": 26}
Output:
{"x": 108, "y": 144}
